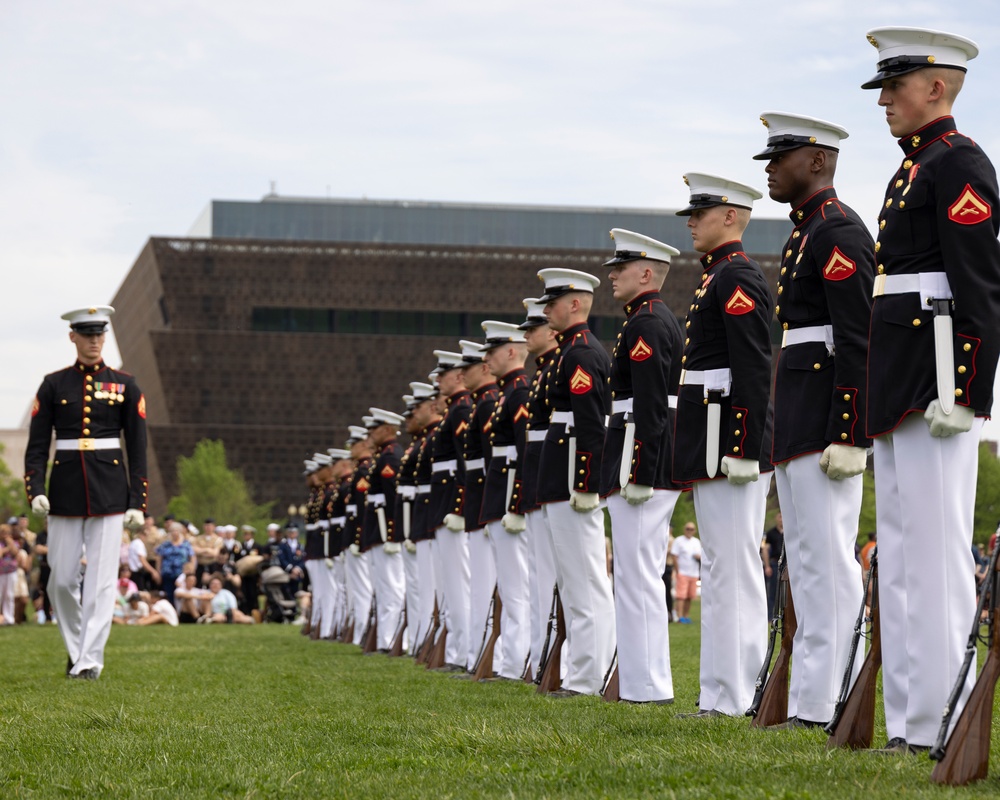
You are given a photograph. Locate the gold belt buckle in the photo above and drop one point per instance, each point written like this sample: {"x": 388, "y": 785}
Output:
{"x": 87, "y": 444}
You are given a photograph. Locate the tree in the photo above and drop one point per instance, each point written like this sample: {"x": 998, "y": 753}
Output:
{"x": 209, "y": 489}
{"x": 13, "y": 500}
{"x": 987, "y": 496}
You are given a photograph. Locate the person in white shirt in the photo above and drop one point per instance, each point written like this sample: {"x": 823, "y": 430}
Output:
{"x": 224, "y": 606}
{"x": 686, "y": 551}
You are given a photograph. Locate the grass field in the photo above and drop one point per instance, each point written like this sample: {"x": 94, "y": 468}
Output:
{"x": 262, "y": 712}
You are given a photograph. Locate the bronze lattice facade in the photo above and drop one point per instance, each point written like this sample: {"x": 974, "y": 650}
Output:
{"x": 275, "y": 347}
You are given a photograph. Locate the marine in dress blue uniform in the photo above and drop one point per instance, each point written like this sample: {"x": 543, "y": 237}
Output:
{"x": 357, "y": 567}
{"x": 819, "y": 443}
{"x": 505, "y": 352}
{"x": 406, "y": 493}
{"x": 636, "y": 475}
{"x": 569, "y": 478}
{"x": 719, "y": 441}
{"x": 95, "y": 487}
{"x": 932, "y": 359}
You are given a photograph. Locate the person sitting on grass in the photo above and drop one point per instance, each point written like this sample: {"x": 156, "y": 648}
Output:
{"x": 162, "y": 613}
{"x": 192, "y": 603}
{"x": 133, "y": 610}
{"x": 224, "y": 607}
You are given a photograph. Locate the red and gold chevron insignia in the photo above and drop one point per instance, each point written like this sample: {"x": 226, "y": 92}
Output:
{"x": 35, "y": 407}
{"x": 580, "y": 382}
{"x": 363, "y": 485}
{"x": 839, "y": 266}
{"x": 387, "y": 471}
{"x": 521, "y": 413}
{"x": 462, "y": 427}
{"x": 640, "y": 351}
{"x": 740, "y": 303}
{"x": 970, "y": 208}
{"x": 142, "y": 406}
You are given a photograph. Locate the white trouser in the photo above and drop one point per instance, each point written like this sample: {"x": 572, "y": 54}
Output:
{"x": 454, "y": 549}
{"x": 8, "y": 583}
{"x": 925, "y": 492}
{"x": 821, "y": 527}
{"x": 323, "y": 594}
{"x": 390, "y": 589}
{"x": 483, "y": 578}
{"x": 84, "y": 625}
{"x": 511, "y": 551}
{"x": 543, "y": 564}
{"x": 733, "y": 601}
{"x": 359, "y": 585}
{"x": 426, "y": 581}
{"x": 411, "y": 575}
{"x": 340, "y": 606}
{"x": 639, "y": 536}
{"x": 582, "y": 574}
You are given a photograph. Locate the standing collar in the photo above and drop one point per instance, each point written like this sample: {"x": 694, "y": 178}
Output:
{"x": 89, "y": 368}
{"x": 571, "y": 331}
{"x": 639, "y": 300}
{"x": 721, "y": 253}
{"x": 800, "y": 214}
{"x": 920, "y": 138}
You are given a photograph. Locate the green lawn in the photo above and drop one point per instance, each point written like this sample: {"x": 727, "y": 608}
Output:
{"x": 262, "y": 712}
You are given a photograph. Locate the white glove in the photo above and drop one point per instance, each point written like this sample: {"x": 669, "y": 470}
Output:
{"x": 454, "y": 523}
{"x": 411, "y": 547}
{"x": 740, "y": 470}
{"x": 329, "y": 563}
{"x": 40, "y": 506}
{"x": 355, "y": 550}
{"x": 513, "y": 523}
{"x": 958, "y": 421}
{"x": 134, "y": 519}
{"x": 391, "y": 548}
{"x": 636, "y": 494}
{"x": 584, "y": 501}
{"x": 841, "y": 461}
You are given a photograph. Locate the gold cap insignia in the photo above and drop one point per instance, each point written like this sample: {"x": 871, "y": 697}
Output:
{"x": 812, "y": 140}
{"x": 931, "y": 59}
{"x": 91, "y": 310}
{"x": 725, "y": 199}
{"x": 872, "y": 41}
{"x": 686, "y": 182}
{"x": 765, "y": 122}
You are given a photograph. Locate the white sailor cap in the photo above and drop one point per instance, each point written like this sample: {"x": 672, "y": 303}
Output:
{"x": 563, "y": 281}
{"x": 273, "y": 526}
{"x": 310, "y": 466}
{"x": 322, "y": 459}
{"x": 383, "y": 417}
{"x": 501, "y": 333}
{"x": 711, "y": 190}
{"x": 248, "y": 529}
{"x": 409, "y": 402}
{"x": 630, "y": 246}
{"x": 90, "y": 320}
{"x": 369, "y": 422}
{"x": 472, "y": 353}
{"x": 535, "y": 309}
{"x": 356, "y": 434}
{"x": 902, "y": 50}
{"x": 337, "y": 454}
{"x": 447, "y": 360}
{"x": 791, "y": 131}
{"x": 422, "y": 392}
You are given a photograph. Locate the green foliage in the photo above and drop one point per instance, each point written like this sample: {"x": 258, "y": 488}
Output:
{"x": 210, "y": 489}
{"x": 987, "y": 496}
{"x": 13, "y": 500}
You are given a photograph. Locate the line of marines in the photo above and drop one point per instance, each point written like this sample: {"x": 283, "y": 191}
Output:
{"x": 887, "y": 345}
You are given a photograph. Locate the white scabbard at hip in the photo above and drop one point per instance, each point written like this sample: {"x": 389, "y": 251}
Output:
{"x": 383, "y": 529}
{"x": 625, "y": 470}
{"x": 944, "y": 354}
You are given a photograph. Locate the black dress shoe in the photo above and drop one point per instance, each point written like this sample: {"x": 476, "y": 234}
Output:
{"x": 668, "y": 702}
{"x": 795, "y": 722}
{"x": 703, "y": 714}
{"x": 561, "y": 694}
{"x": 69, "y": 665}
{"x": 897, "y": 746}
{"x": 90, "y": 674}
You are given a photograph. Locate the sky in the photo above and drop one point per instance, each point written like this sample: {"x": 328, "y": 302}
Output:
{"x": 121, "y": 121}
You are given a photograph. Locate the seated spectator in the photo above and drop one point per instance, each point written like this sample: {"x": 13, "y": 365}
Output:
{"x": 224, "y": 606}
{"x": 192, "y": 603}
{"x": 223, "y": 568}
{"x": 173, "y": 554}
{"x": 162, "y": 613}
{"x": 131, "y": 611}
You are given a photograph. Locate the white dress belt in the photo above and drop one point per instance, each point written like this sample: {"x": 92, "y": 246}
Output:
{"x": 624, "y": 406}
{"x": 407, "y": 492}
{"x": 424, "y": 488}
{"x": 352, "y": 509}
{"x": 930, "y": 285}
{"x": 375, "y": 499}
{"x": 323, "y": 525}
{"x": 713, "y": 380}
{"x": 341, "y": 521}
{"x": 311, "y": 526}
{"x": 475, "y": 463}
{"x": 445, "y": 466}
{"x": 508, "y": 452}
{"x": 537, "y": 435}
{"x": 562, "y": 417}
{"x": 813, "y": 333}
{"x": 88, "y": 444}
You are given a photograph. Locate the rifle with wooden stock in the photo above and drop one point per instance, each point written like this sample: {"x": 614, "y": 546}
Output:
{"x": 770, "y": 700}
{"x": 436, "y": 657}
{"x": 550, "y": 670}
{"x": 965, "y": 758}
{"x": 611, "y": 693}
{"x": 853, "y": 723}
{"x": 396, "y": 648}
{"x": 423, "y": 652}
{"x": 491, "y": 632}
{"x": 369, "y": 639}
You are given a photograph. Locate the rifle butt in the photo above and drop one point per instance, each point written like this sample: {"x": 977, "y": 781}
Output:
{"x": 551, "y": 678}
{"x": 856, "y": 728}
{"x": 436, "y": 658}
{"x": 314, "y": 628}
{"x": 967, "y": 754}
{"x": 773, "y": 708}
{"x": 612, "y": 690}
{"x": 396, "y": 648}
